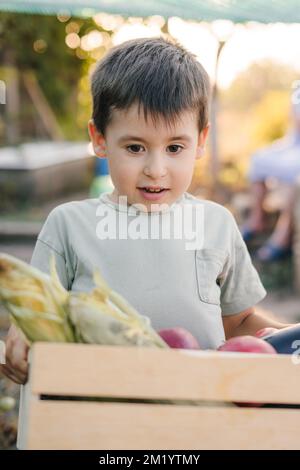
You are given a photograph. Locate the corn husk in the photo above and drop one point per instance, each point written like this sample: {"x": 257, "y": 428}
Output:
{"x": 36, "y": 302}
{"x": 105, "y": 317}
{"x": 40, "y": 306}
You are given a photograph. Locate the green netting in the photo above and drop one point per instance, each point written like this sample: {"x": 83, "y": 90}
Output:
{"x": 264, "y": 11}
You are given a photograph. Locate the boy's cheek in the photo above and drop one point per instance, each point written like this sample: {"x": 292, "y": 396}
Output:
{"x": 124, "y": 173}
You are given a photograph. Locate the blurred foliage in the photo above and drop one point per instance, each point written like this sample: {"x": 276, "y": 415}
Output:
{"x": 231, "y": 175}
{"x": 38, "y": 43}
{"x": 270, "y": 117}
{"x": 250, "y": 87}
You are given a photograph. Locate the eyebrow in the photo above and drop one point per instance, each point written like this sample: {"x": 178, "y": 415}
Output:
{"x": 140, "y": 139}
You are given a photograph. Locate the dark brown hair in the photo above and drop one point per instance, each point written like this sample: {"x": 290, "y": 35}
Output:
{"x": 160, "y": 76}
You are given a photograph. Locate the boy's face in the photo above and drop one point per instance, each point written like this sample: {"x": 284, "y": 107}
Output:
{"x": 144, "y": 156}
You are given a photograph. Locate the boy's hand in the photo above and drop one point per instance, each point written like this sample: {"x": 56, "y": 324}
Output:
{"x": 16, "y": 367}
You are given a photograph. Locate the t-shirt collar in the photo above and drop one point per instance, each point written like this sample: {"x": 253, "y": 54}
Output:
{"x": 105, "y": 199}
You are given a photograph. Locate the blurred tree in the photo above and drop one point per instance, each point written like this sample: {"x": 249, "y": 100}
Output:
{"x": 270, "y": 117}
{"x": 252, "y": 84}
{"x": 38, "y": 43}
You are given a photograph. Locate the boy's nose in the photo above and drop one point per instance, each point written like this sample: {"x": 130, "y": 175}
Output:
{"x": 155, "y": 167}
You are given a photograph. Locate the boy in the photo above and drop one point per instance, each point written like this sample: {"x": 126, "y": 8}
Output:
{"x": 150, "y": 119}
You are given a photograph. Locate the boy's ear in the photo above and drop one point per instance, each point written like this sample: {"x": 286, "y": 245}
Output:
{"x": 202, "y": 141}
{"x": 97, "y": 139}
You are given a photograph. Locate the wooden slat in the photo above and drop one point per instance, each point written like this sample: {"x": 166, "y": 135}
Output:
{"x": 81, "y": 370}
{"x": 78, "y": 425}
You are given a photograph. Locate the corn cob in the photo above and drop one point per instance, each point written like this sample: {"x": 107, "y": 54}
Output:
{"x": 35, "y": 301}
{"x": 45, "y": 311}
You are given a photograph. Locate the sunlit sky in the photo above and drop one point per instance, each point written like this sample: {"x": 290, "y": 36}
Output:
{"x": 245, "y": 43}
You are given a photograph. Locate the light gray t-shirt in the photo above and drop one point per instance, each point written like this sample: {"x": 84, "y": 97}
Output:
{"x": 172, "y": 278}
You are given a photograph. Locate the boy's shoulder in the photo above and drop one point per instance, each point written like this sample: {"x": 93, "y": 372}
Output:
{"x": 72, "y": 209}
{"x": 77, "y": 205}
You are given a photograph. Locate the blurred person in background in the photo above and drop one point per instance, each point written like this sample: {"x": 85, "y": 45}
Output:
{"x": 279, "y": 161}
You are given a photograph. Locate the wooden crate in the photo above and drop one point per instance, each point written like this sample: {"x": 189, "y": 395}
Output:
{"x": 88, "y": 371}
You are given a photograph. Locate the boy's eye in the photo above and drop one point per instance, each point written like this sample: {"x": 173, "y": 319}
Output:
{"x": 134, "y": 148}
{"x": 137, "y": 148}
{"x": 174, "y": 148}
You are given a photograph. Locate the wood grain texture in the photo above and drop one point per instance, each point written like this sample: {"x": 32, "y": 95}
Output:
{"x": 74, "y": 425}
{"x": 141, "y": 373}
{"x": 86, "y": 370}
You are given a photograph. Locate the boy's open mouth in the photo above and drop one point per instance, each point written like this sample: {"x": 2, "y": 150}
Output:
{"x": 153, "y": 193}
{"x": 149, "y": 189}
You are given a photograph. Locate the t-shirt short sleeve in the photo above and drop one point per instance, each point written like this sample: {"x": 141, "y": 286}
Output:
{"x": 51, "y": 242}
{"x": 241, "y": 287}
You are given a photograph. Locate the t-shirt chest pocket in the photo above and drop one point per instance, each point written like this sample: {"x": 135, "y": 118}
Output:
{"x": 209, "y": 269}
